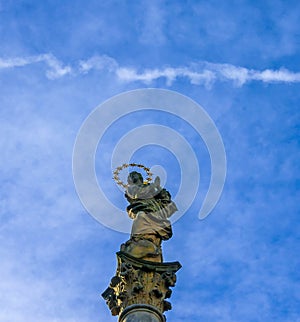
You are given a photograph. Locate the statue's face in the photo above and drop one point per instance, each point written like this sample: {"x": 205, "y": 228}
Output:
{"x": 135, "y": 178}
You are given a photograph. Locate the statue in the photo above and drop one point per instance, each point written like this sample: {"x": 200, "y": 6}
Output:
{"x": 141, "y": 286}
{"x": 150, "y": 207}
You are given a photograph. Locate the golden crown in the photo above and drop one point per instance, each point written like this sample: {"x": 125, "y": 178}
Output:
{"x": 126, "y": 165}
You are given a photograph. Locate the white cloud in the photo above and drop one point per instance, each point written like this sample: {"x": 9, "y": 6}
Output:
{"x": 201, "y": 73}
{"x": 56, "y": 68}
{"x": 239, "y": 75}
{"x": 281, "y": 75}
{"x": 208, "y": 74}
{"x": 98, "y": 63}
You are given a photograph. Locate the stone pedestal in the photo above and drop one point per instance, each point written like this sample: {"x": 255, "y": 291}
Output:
{"x": 139, "y": 290}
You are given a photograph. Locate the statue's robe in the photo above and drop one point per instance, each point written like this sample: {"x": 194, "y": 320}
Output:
{"x": 150, "y": 208}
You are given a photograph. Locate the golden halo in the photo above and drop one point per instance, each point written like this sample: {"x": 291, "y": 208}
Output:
{"x": 126, "y": 165}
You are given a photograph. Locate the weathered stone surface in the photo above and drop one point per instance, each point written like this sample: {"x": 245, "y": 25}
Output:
{"x": 141, "y": 313}
{"x": 140, "y": 282}
{"x": 138, "y": 291}
{"x": 150, "y": 207}
{"x": 141, "y": 317}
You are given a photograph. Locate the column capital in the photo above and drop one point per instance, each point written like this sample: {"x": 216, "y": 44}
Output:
{"x": 143, "y": 284}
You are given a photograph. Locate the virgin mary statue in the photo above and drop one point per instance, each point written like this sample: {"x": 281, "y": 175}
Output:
{"x": 150, "y": 207}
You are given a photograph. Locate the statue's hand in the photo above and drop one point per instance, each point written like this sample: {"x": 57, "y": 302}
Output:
{"x": 157, "y": 181}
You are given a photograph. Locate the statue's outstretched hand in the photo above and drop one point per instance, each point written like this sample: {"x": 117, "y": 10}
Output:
{"x": 157, "y": 182}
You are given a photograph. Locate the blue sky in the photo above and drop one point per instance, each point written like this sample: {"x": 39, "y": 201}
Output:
{"x": 237, "y": 59}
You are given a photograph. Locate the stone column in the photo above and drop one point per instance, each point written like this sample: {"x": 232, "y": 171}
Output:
{"x": 138, "y": 291}
{"x": 141, "y": 313}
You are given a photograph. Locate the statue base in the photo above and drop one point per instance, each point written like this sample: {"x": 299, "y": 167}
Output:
{"x": 140, "y": 289}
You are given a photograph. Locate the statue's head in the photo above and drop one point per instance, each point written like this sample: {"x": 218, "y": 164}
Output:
{"x": 135, "y": 178}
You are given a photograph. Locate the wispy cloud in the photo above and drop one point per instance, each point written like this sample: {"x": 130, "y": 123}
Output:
{"x": 56, "y": 68}
{"x": 98, "y": 63}
{"x": 207, "y": 73}
{"x": 200, "y": 73}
